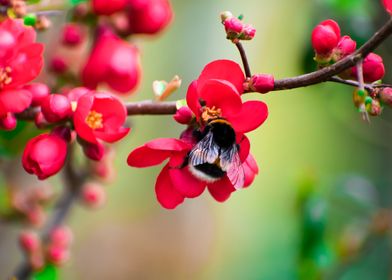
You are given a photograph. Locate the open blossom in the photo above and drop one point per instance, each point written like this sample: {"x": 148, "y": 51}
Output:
{"x": 113, "y": 62}
{"x": 20, "y": 62}
{"x": 100, "y": 116}
{"x": 213, "y": 151}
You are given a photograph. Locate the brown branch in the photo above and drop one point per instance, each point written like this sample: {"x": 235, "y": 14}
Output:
{"x": 244, "y": 59}
{"x": 151, "y": 108}
{"x": 326, "y": 73}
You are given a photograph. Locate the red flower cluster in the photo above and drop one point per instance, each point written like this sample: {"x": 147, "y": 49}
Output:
{"x": 20, "y": 62}
{"x": 330, "y": 47}
{"x": 95, "y": 117}
{"x": 235, "y": 29}
{"x": 213, "y": 151}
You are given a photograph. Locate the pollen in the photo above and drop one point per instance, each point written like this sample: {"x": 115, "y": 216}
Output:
{"x": 210, "y": 113}
{"x": 94, "y": 120}
{"x": 5, "y": 76}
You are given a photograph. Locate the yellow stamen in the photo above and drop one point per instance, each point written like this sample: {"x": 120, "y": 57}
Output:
{"x": 94, "y": 120}
{"x": 5, "y": 76}
{"x": 210, "y": 113}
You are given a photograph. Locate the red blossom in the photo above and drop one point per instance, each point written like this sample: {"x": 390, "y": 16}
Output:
{"x": 20, "y": 62}
{"x": 215, "y": 94}
{"x": 44, "y": 155}
{"x": 387, "y": 5}
{"x": 105, "y": 7}
{"x": 113, "y": 62}
{"x": 100, "y": 116}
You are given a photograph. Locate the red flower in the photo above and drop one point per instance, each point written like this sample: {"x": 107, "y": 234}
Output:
{"x": 100, "y": 116}
{"x": 44, "y": 155}
{"x": 210, "y": 159}
{"x": 149, "y": 16}
{"x": 387, "y": 5}
{"x": 114, "y": 62}
{"x": 20, "y": 62}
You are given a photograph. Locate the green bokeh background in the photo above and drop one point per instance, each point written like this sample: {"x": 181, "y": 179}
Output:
{"x": 313, "y": 136}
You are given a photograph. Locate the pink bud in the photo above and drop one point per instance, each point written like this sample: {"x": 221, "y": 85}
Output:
{"x": 39, "y": 91}
{"x": 57, "y": 255}
{"x": 58, "y": 65}
{"x": 262, "y": 83}
{"x": 387, "y": 5}
{"x": 29, "y": 241}
{"x": 386, "y": 96}
{"x": 56, "y": 107}
{"x": 72, "y": 34}
{"x": 36, "y": 216}
{"x": 44, "y": 155}
{"x": 93, "y": 195}
{"x": 346, "y": 46}
{"x": 94, "y": 151}
{"x": 184, "y": 115}
{"x": 248, "y": 33}
{"x": 233, "y": 25}
{"x": 61, "y": 236}
{"x": 8, "y": 122}
{"x": 325, "y": 37}
{"x": 373, "y": 68}
{"x": 74, "y": 94}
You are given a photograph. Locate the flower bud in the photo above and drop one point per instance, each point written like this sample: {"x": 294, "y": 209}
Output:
{"x": 8, "y": 122}
{"x": 262, "y": 83}
{"x": 346, "y": 46}
{"x": 56, "y": 107}
{"x": 44, "y": 155}
{"x": 183, "y": 115}
{"x": 105, "y": 7}
{"x": 93, "y": 195}
{"x": 386, "y": 96}
{"x": 374, "y": 108}
{"x": 325, "y": 37}
{"x": 61, "y": 236}
{"x": 72, "y": 35}
{"x": 225, "y": 15}
{"x": 233, "y": 25}
{"x": 57, "y": 254}
{"x": 373, "y": 68}
{"x": 94, "y": 151}
{"x": 248, "y": 32}
{"x": 39, "y": 92}
{"x": 58, "y": 65}
{"x": 29, "y": 241}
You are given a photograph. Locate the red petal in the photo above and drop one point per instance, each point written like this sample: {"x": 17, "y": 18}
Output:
{"x": 388, "y": 5}
{"x": 167, "y": 196}
{"x": 112, "y": 109}
{"x": 226, "y": 70}
{"x": 192, "y": 98}
{"x": 251, "y": 170}
{"x": 168, "y": 144}
{"x": 145, "y": 157}
{"x": 221, "y": 190}
{"x": 112, "y": 136}
{"x": 82, "y": 110}
{"x": 251, "y": 116}
{"x": 185, "y": 183}
{"x": 244, "y": 147}
{"x": 222, "y": 95}
{"x": 14, "y": 101}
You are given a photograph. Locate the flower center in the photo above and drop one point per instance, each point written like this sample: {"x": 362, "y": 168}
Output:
{"x": 5, "y": 76}
{"x": 210, "y": 113}
{"x": 94, "y": 120}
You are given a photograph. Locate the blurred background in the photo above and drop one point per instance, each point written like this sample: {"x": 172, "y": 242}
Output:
{"x": 321, "y": 207}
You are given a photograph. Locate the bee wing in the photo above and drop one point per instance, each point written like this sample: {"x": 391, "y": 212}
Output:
{"x": 231, "y": 163}
{"x": 206, "y": 151}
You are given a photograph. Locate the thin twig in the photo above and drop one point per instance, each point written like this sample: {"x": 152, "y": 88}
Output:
{"x": 244, "y": 59}
{"x": 151, "y": 108}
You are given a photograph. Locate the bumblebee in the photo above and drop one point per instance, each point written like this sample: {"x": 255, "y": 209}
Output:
{"x": 217, "y": 154}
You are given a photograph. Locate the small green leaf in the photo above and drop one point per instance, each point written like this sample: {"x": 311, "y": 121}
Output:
{"x": 50, "y": 272}
{"x": 30, "y": 20}
{"x": 180, "y": 103}
{"x": 76, "y": 2}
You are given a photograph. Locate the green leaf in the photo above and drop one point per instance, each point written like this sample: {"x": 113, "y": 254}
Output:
{"x": 180, "y": 103}
{"x": 76, "y": 2}
{"x": 50, "y": 272}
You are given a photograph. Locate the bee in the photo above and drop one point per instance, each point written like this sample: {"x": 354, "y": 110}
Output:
{"x": 217, "y": 154}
